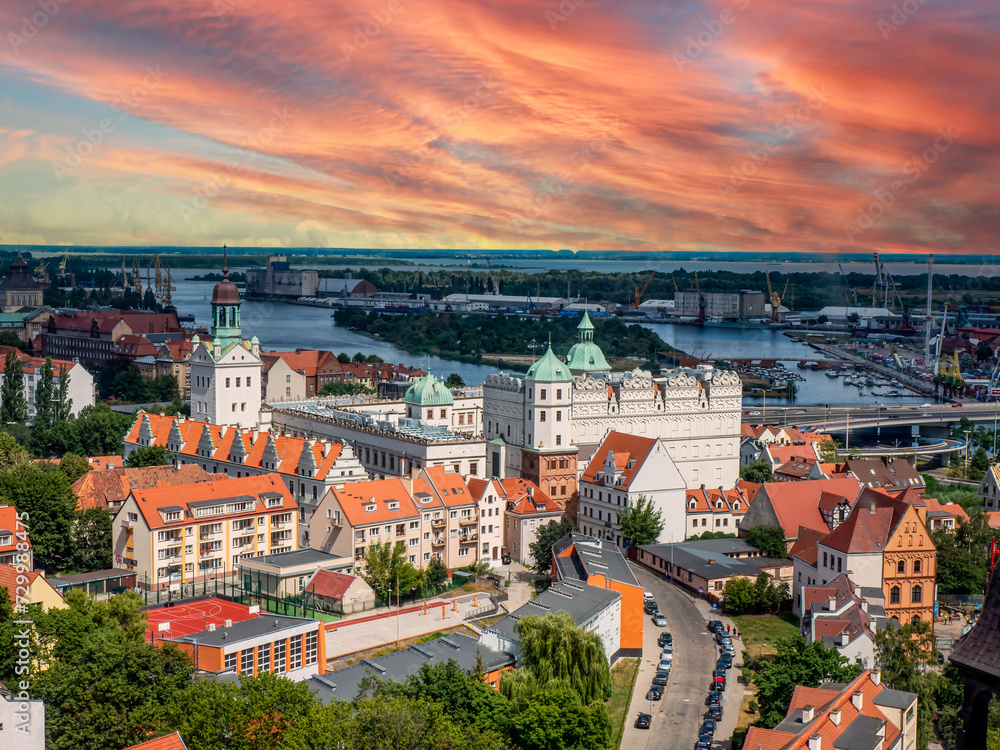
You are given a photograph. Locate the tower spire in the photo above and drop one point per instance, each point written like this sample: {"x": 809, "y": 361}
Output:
{"x": 225, "y": 262}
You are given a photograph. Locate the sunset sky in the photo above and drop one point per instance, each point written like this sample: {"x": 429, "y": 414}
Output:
{"x": 823, "y": 126}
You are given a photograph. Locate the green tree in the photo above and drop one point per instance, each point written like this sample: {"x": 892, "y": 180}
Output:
{"x": 454, "y": 380}
{"x": 9, "y": 338}
{"x": 436, "y": 573}
{"x": 546, "y": 536}
{"x": 554, "y": 648}
{"x": 12, "y": 453}
{"x": 45, "y": 406}
{"x": 905, "y": 654}
{"x": 557, "y": 718}
{"x": 980, "y": 461}
{"x": 64, "y": 404}
{"x": 768, "y": 539}
{"x": 640, "y": 523}
{"x": 758, "y": 472}
{"x": 374, "y": 359}
{"x": 345, "y": 389}
{"x": 963, "y": 557}
{"x": 386, "y": 568}
{"x": 711, "y": 535}
{"x": 737, "y": 595}
{"x": 149, "y": 455}
{"x": 343, "y": 358}
{"x": 44, "y": 492}
{"x": 466, "y": 698}
{"x": 829, "y": 451}
{"x": 359, "y": 358}
{"x": 102, "y": 430}
{"x": 92, "y": 539}
{"x": 762, "y": 596}
{"x": 73, "y": 466}
{"x": 13, "y": 406}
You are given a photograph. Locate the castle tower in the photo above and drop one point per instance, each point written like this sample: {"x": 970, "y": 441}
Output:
{"x": 586, "y": 356}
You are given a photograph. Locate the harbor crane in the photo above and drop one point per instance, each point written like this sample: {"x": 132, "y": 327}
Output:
{"x": 852, "y": 295}
{"x": 639, "y": 294}
{"x": 773, "y": 296}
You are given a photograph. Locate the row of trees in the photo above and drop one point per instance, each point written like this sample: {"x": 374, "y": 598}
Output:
{"x": 97, "y": 431}
{"x": 52, "y": 401}
{"x": 105, "y": 687}
{"x": 762, "y": 596}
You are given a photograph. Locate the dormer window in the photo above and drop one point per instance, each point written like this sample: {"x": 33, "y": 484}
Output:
{"x": 393, "y": 506}
{"x": 370, "y": 508}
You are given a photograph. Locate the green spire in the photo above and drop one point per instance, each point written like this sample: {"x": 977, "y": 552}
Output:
{"x": 549, "y": 369}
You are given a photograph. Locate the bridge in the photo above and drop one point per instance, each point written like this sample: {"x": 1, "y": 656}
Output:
{"x": 839, "y": 418}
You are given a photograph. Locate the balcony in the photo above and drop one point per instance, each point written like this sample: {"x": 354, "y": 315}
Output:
{"x": 468, "y": 538}
{"x": 468, "y": 521}
{"x": 438, "y": 523}
{"x": 126, "y": 524}
{"x": 437, "y": 541}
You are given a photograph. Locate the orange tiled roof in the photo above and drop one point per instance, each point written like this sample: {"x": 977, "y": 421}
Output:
{"x": 992, "y": 518}
{"x": 782, "y": 454}
{"x": 8, "y": 580}
{"x": 170, "y": 741}
{"x": 449, "y": 486}
{"x": 625, "y": 448}
{"x": 708, "y": 500}
{"x": 150, "y": 501}
{"x": 104, "y": 488}
{"x": 8, "y": 522}
{"x": 524, "y": 498}
{"x": 365, "y": 503}
{"x": 796, "y": 504}
{"x": 870, "y": 525}
{"x": 805, "y": 547}
{"x": 330, "y": 584}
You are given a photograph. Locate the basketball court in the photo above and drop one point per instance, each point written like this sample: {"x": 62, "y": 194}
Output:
{"x": 184, "y": 618}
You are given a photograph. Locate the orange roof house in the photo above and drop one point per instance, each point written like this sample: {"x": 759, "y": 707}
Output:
{"x": 793, "y": 505}
{"x": 170, "y": 741}
{"x": 108, "y": 488}
{"x": 14, "y": 533}
{"x": 527, "y": 509}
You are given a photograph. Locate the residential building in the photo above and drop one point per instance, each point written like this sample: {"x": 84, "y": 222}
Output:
{"x": 20, "y": 289}
{"x": 173, "y": 536}
{"x": 370, "y": 374}
{"x": 26, "y": 324}
{"x": 593, "y": 608}
{"x": 173, "y": 357}
{"x": 281, "y": 381}
{"x": 598, "y": 562}
{"x": 15, "y": 543}
{"x": 624, "y": 469}
{"x": 95, "y": 582}
{"x": 527, "y": 509}
{"x": 22, "y": 720}
{"x": 706, "y": 565}
{"x": 552, "y": 414}
{"x": 940, "y": 516}
{"x": 292, "y": 647}
{"x": 339, "y": 592}
{"x": 860, "y": 714}
{"x": 316, "y": 368}
{"x": 778, "y": 454}
{"x": 888, "y": 474}
{"x": 491, "y": 499}
{"x": 397, "y": 666}
{"x": 90, "y": 335}
{"x": 795, "y": 505}
{"x": 844, "y": 616}
{"x": 799, "y": 469}
{"x": 80, "y": 389}
{"x": 226, "y": 369}
{"x": 308, "y": 467}
{"x": 135, "y": 346}
{"x": 717, "y": 510}
{"x": 35, "y": 590}
{"x": 279, "y": 279}
{"x": 459, "y": 510}
{"x": 108, "y": 488}
{"x": 989, "y": 488}
{"x": 884, "y": 544}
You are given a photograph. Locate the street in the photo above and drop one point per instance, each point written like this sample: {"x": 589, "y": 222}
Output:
{"x": 677, "y": 717}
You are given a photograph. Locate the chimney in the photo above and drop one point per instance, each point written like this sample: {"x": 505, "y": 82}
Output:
{"x": 835, "y": 717}
{"x": 831, "y": 603}
{"x": 808, "y": 712}
{"x": 858, "y": 699}
{"x": 876, "y": 676}
{"x": 815, "y": 742}
{"x": 864, "y": 605}
{"x": 845, "y": 638}
{"x": 711, "y": 561}
{"x": 211, "y": 627}
{"x": 531, "y": 492}
{"x": 857, "y": 590}
{"x": 371, "y": 499}
{"x": 229, "y": 623}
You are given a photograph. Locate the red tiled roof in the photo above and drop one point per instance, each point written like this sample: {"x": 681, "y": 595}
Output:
{"x": 524, "y": 498}
{"x": 796, "y": 504}
{"x": 870, "y": 524}
{"x": 830, "y": 627}
{"x": 139, "y": 322}
{"x": 625, "y": 448}
{"x": 992, "y": 518}
{"x": 805, "y": 547}
{"x": 104, "y": 488}
{"x": 767, "y": 739}
{"x": 8, "y": 580}
{"x": 134, "y": 345}
{"x": 830, "y": 500}
{"x": 707, "y": 500}
{"x": 330, "y": 584}
{"x": 782, "y": 454}
{"x": 170, "y": 741}
{"x": 797, "y": 466}
{"x": 8, "y": 522}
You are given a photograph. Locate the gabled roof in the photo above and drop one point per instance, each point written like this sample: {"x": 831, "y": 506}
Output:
{"x": 448, "y": 485}
{"x": 366, "y": 503}
{"x": 895, "y": 474}
{"x": 525, "y": 499}
{"x": 306, "y": 361}
{"x": 869, "y": 526}
{"x": 104, "y": 488}
{"x": 134, "y": 345}
{"x": 709, "y": 500}
{"x": 805, "y": 547}
{"x": 797, "y": 467}
{"x": 796, "y": 504}
{"x": 170, "y": 741}
{"x": 8, "y": 580}
{"x": 580, "y": 557}
{"x": 8, "y": 522}
{"x": 782, "y": 454}
{"x": 630, "y": 452}
{"x": 330, "y": 584}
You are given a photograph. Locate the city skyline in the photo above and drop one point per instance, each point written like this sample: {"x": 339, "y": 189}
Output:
{"x": 739, "y": 125}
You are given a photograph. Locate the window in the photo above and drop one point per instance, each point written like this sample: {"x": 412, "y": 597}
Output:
{"x": 542, "y": 393}
{"x": 917, "y": 593}
{"x": 264, "y": 658}
{"x": 248, "y": 382}
{"x": 894, "y": 595}
{"x": 901, "y": 566}
{"x": 238, "y": 382}
{"x": 279, "y": 657}
{"x": 311, "y": 647}
{"x": 558, "y": 394}
{"x": 227, "y": 382}
{"x": 231, "y": 660}
{"x": 295, "y": 652}
{"x": 916, "y": 566}
{"x": 558, "y": 439}
{"x": 824, "y": 560}
{"x": 559, "y": 416}
{"x": 246, "y": 661}
{"x": 541, "y": 416}
{"x": 444, "y": 413}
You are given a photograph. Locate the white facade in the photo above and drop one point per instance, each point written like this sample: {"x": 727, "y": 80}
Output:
{"x": 225, "y": 383}
{"x": 80, "y": 390}
{"x": 864, "y": 569}
{"x": 22, "y": 721}
{"x": 284, "y": 383}
{"x": 491, "y": 512}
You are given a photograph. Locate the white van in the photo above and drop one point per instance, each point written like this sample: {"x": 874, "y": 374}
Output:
{"x": 647, "y": 595}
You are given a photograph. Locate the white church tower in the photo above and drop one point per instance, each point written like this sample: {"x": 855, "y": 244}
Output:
{"x": 226, "y": 369}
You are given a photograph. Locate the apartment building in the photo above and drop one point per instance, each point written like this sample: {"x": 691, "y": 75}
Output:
{"x": 490, "y": 497}
{"x": 527, "y": 508}
{"x": 173, "y": 536}
{"x": 80, "y": 388}
{"x": 718, "y": 509}
{"x": 90, "y": 335}
{"x": 844, "y": 616}
{"x": 459, "y": 511}
{"x": 281, "y": 382}
{"x": 15, "y": 545}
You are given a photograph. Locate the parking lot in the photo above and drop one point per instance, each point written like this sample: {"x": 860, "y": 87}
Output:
{"x": 677, "y": 717}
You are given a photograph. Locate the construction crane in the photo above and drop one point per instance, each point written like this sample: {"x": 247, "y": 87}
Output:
{"x": 701, "y": 299}
{"x": 62, "y": 264}
{"x": 852, "y": 295}
{"x": 638, "y": 293}
{"x": 489, "y": 277}
{"x": 773, "y": 297}
{"x": 42, "y": 273}
{"x": 885, "y": 287}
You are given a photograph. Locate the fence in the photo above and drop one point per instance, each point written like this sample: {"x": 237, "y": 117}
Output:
{"x": 961, "y": 600}
{"x": 484, "y": 611}
{"x": 158, "y": 591}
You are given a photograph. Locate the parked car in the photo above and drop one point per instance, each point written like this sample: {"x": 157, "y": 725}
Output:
{"x": 664, "y": 639}
{"x": 704, "y": 739}
{"x": 715, "y": 626}
{"x": 655, "y": 693}
{"x": 505, "y": 559}
{"x": 668, "y": 648}
{"x": 721, "y": 636}
{"x": 726, "y": 660}
{"x": 708, "y": 726}
{"x": 659, "y": 620}
{"x": 651, "y": 606}
{"x": 665, "y": 664}
{"x": 729, "y": 650}
{"x": 714, "y": 697}
{"x": 703, "y": 745}
{"x": 718, "y": 683}
{"x": 715, "y": 712}
{"x": 661, "y": 676}
{"x": 642, "y": 721}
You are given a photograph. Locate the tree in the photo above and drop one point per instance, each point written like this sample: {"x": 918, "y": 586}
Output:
{"x": 980, "y": 461}
{"x": 557, "y": 718}
{"x": 64, "y": 404}
{"x": 768, "y": 539}
{"x": 149, "y": 455}
{"x": 92, "y": 538}
{"x": 9, "y": 338}
{"x": 466, "y": 698}
{"x": 711, "y": 535}
{"x": 962, "y": 556}
{"x": 73, "y": 466}
{"x": 737, "y": 595}
{"x": 343, "y": 358}
{"x": 546, "y": 536}
{"x": 553, "y": 648}
{"x": 344, "y": 389}
{"x": 374, "y": 359}
{"x": 904, "y": 654}
{"x": 386, "y": 568}
{"x": 359, "y": 358}
{"x": 758, "y": 472}
{"x": 829, "y": 451}
{"x": 454, "y": 380}
{"x": 44, "y": 492}
{"x": 11, "y": 452}
{"x": 436, "y": 574}
{"x": 102, "y": 430}
{"x": 13, "y": 406}
{"x": 45, "y": 407}
{"x": 640, "y": 523}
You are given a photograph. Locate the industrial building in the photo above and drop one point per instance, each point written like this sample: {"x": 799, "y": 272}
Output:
{"x": 727, "y": 305}
{"x": 279, "y": 279}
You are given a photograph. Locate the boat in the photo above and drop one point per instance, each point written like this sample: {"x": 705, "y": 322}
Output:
{"x": 832, "y": 374}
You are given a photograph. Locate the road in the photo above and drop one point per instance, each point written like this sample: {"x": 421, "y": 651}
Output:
{"x": 677, "y": 717}
{"x": 823, "y": 419}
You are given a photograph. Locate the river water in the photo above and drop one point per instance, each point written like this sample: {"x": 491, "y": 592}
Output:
{"x": 281, "y": 326}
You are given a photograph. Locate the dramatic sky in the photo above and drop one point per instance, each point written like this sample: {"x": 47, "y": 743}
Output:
{"x": 806, "y": 125}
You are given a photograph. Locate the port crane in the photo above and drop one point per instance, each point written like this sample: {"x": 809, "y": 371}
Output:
{"x": 852, "y": 295}
{"x": 639, "y": 294}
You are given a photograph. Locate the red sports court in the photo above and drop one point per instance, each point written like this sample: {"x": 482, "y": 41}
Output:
{"x": 184, "y": 618}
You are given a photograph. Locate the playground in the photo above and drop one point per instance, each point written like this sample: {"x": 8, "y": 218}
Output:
{"x": 177, "y": 619}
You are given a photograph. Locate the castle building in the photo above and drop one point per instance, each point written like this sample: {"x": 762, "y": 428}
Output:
{"x": 537, "y": 426}
{"x": 20, "y": 290}
{"x": 225, "y": 370}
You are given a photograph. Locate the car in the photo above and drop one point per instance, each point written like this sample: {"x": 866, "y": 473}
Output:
{"x": 801, "y": 411}
{"x": 729, "y": 650}
{"x": 953, "y": 406}
{"x": 721, "y": 636}
{"x": 746, "y": 413}
{"x": 667, "y": 648}
{"x": 664, "y": 639}
{"x": 940, "y": 657}
{"x": 659, "y": 620}
{"x": 703, "y": 745}
{"x": 912, "y": 408}
{"x": 642, "y": 721}
{"x": 713, "y": 697}
{"x": 651, "y": 607}
{"x": 755, "y": 414}
{"x": 718, "y": 683}
{"x": 720, "y": 672}
{"x": 661, "y": 676}
{"x": 710, "y": 625}
{"x": 715, "y": 712}
{"x": 926, "y": 405}
{"x": 725, "y": 662}
{"x": 708, "y": 726}
{"x": 665, "y": 665}
{"x": 655, "y": 693}
{"x": 704, "y": 738}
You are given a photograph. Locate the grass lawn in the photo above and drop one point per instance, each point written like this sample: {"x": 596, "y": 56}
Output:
{"x": 759, "y": 632}
{"x": 623, "y": 676}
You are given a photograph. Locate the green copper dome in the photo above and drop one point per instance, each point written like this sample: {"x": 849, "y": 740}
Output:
{"x": 586, "y": 356}
{"x": 549, "y": 369}
{"x": 427, "y": 391}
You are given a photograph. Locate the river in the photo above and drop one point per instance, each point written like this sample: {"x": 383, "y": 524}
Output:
{"x": 281, "y": 326}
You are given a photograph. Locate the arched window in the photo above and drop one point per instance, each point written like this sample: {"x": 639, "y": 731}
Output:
{"x": 901, "y": 566}
{"x": 894, "y": 595}
{"x": 917, "y": 591}
{"x": 916, "y": 566}
{"x": 915, "y": 619}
